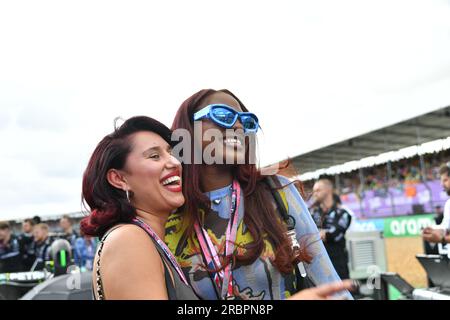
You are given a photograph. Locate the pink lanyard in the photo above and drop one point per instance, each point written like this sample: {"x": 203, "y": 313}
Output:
{"x": 164, "y": 247}
{"x": 223, "y": 279}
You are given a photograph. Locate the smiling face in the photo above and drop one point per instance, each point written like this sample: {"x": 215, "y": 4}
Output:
{"x": 232, "y": 146}
{"x": 152, "y": 174}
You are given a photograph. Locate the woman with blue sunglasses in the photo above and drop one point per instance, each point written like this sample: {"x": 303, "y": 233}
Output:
{"x": 229, "y": 237}
{"x": 226, "y": 117}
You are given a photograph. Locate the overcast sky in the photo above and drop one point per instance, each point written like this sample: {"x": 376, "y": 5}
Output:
{"x": 315, "y": 72}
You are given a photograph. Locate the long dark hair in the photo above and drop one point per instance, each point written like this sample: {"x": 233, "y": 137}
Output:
{"x": 260, "y": 216}
{"x": 108, "y": 204}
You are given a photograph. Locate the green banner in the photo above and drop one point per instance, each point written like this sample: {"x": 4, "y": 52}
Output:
{"x": 407, "y": 226}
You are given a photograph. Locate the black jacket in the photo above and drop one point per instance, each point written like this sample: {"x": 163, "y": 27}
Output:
{"x": 336, "y": 222}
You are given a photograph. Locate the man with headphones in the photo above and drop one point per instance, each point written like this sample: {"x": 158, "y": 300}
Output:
{"x": 442, "y": 233}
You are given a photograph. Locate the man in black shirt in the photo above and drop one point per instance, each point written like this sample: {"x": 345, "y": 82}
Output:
{"x": 26, "y": 244}
{"x": 10, "y": 258}
{"x": 41, "y": 245}
{"x": 68, "y": 232}
{"x": 332, "y": 221}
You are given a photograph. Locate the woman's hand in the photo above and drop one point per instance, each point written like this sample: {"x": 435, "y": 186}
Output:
{"x": 324, "y": 292}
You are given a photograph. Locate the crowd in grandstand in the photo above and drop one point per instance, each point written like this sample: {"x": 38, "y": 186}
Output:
{"x": 403, "y": 172}
{"x": 399, "y": 177}
{"x": 29, "y": 250}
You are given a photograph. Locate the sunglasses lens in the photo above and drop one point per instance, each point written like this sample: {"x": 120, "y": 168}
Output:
{"x": 224, "y": 115}
{"x": 250, "y": 123}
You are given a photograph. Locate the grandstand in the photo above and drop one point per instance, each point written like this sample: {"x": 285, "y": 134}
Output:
{"x": 388, "y": 178}
{"x": 388, "y": 172}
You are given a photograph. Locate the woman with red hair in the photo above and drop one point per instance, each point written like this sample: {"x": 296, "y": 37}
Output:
{"x": 131, "y": 185}
{"x": 230, "y": 237}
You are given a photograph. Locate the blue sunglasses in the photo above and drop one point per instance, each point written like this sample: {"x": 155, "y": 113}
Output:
{"x": 225, "y": 116}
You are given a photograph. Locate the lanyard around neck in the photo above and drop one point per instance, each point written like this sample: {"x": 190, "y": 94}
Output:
{"x": 223, "y": 279}
{"x": 163, "y": 246}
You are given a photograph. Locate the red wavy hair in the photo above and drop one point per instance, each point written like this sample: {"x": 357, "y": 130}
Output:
{"x": 108, "y": 204}
{"x": 260, "y": 217}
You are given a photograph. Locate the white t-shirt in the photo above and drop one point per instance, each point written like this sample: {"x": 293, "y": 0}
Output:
{"x": 445, "y": 224}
